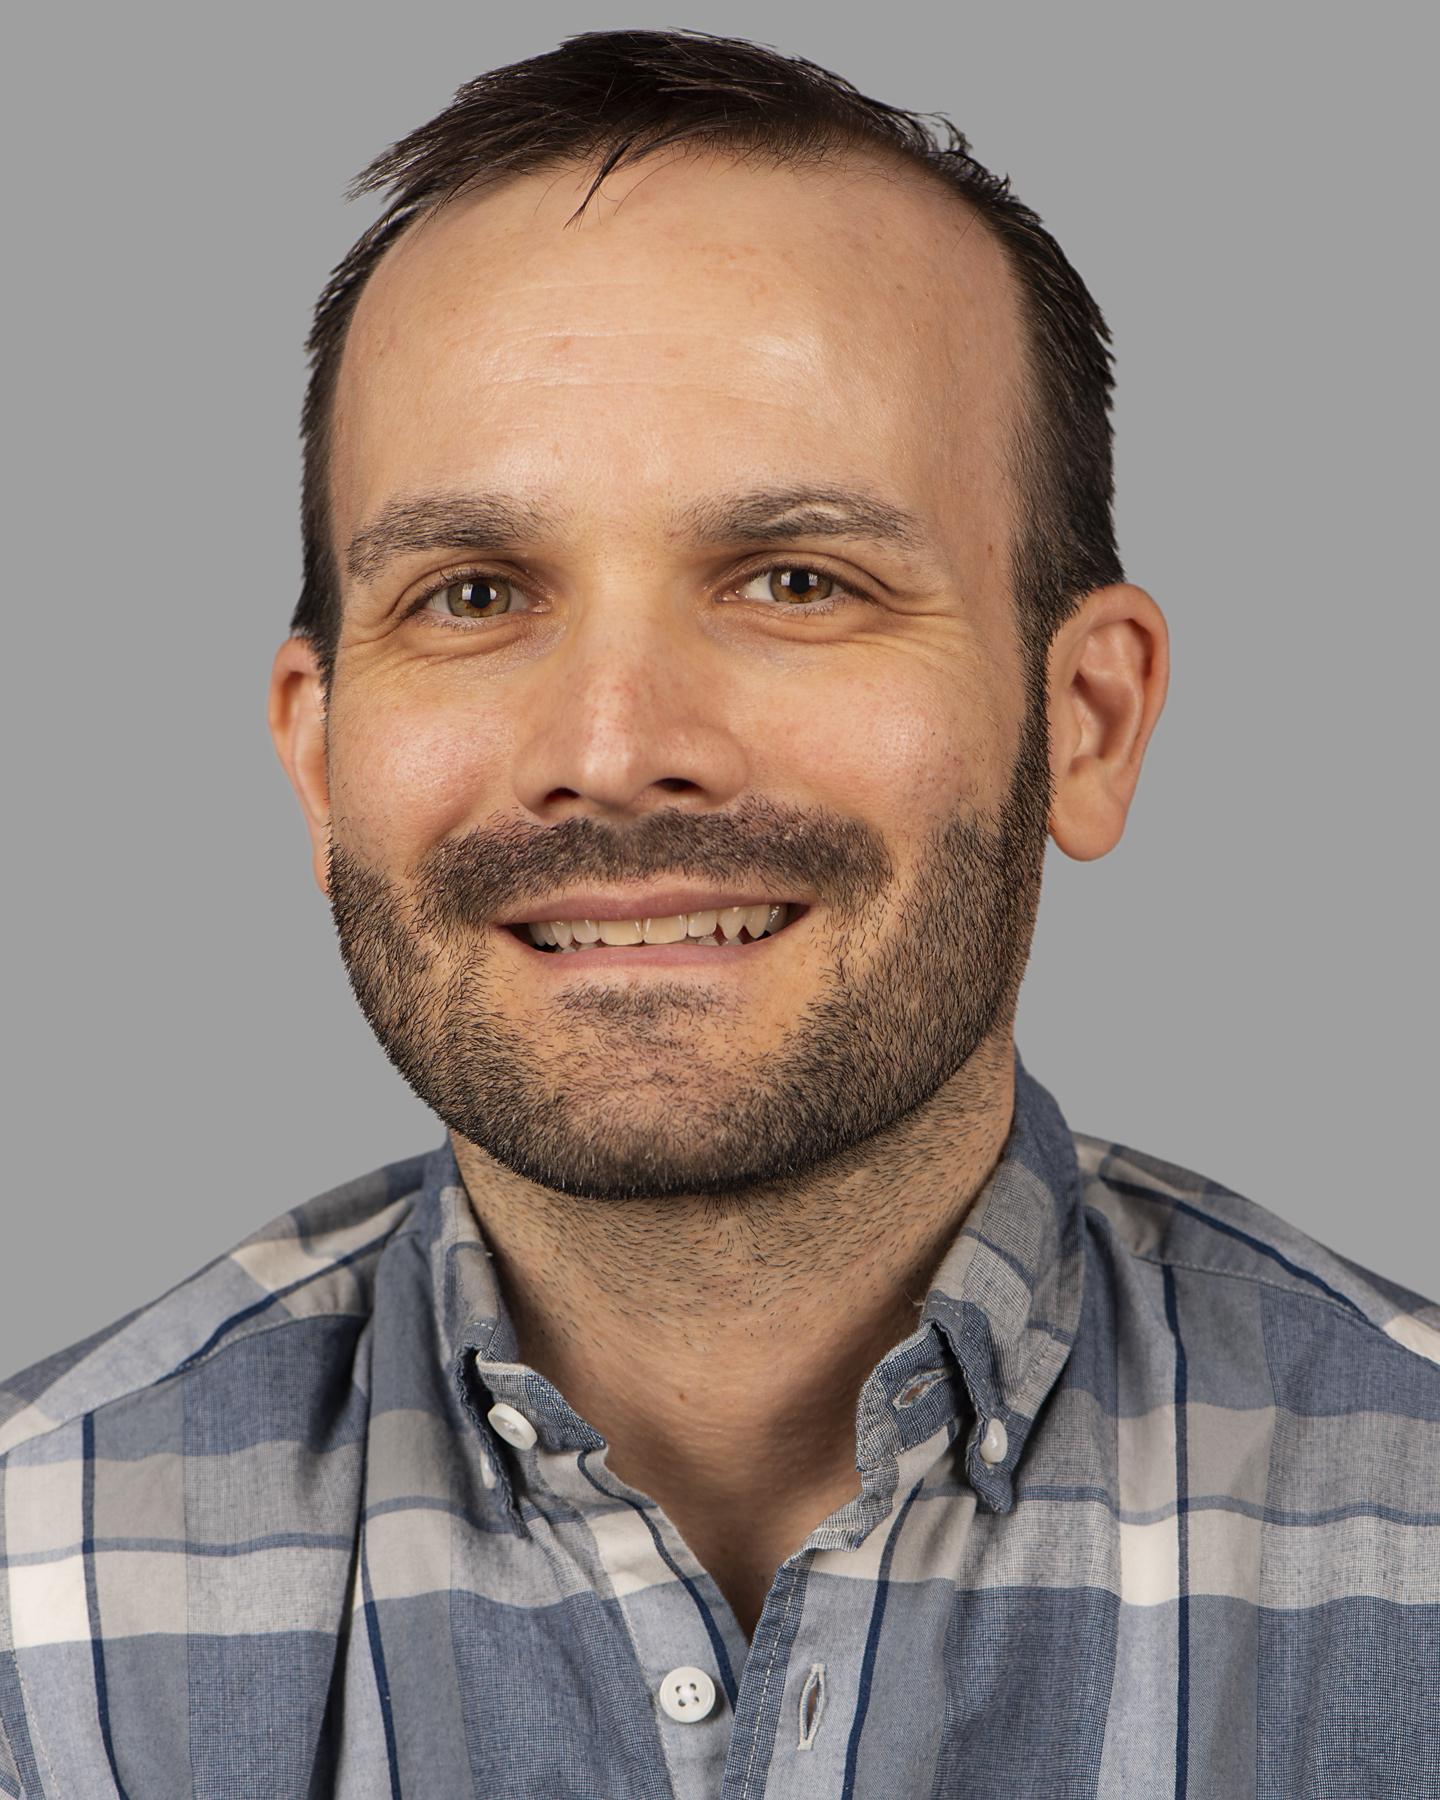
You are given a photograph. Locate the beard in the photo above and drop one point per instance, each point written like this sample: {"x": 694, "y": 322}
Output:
{"x": 618, "y": 1095}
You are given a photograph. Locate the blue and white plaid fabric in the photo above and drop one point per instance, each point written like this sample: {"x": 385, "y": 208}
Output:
{"x": 261, "y": 1541}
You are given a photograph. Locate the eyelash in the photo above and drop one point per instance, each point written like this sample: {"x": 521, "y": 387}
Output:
{"x": 809, "y": 609}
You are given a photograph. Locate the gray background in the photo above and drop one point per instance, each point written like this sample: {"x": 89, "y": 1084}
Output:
{"x": 1244, "y": 986}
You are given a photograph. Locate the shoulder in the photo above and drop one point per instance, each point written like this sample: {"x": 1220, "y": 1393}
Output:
{"x": 1295, "y": 1394}
{"x": 309, "y": 1266}
{"x": 1227, "y": 1258}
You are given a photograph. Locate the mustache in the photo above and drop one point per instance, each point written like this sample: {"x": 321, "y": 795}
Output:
{"x": 759, "y": 843}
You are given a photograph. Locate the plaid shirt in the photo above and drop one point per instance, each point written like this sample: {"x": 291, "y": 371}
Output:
{"x": 1150, "y": 1505}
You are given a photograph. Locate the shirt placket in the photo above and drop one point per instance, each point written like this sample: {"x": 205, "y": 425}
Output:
{"x": 730, "y": 1719}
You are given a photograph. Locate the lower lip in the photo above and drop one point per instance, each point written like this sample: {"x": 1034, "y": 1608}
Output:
{"x": 611, "y": 959}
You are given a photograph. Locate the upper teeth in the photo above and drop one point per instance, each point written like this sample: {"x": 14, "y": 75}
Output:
{"x": 718, "y": 926}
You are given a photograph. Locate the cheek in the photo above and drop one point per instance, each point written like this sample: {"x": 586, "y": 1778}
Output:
{"x": 907, "y": 754}
{"x": 407, "y": 777}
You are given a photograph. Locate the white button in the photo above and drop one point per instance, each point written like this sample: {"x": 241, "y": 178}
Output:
{"x": 513, "y": 1426}
{"x": 995, "y": 1442}
{"x": 687, "y": 1695}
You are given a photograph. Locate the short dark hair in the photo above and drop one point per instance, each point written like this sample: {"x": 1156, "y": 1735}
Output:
{"x": 612, "y": 97}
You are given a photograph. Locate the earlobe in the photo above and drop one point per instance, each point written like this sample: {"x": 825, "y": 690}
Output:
{"x": 1109, "y": 672}
{"x": 297, "y": 729}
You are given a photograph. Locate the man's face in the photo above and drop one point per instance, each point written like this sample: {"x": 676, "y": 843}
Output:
{"x": 654, "y": 663}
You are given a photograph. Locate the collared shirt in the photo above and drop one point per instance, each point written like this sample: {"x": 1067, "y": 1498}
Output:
{"x": 1149, "y": 1505}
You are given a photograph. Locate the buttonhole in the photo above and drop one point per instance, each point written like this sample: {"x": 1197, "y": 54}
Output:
{"x": 920, "y": 1386}
{"x": 812, "y": 1704}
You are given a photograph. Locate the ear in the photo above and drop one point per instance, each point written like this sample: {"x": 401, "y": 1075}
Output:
{"x": 297, "y": 726}
{"x": 1109, "y": 670}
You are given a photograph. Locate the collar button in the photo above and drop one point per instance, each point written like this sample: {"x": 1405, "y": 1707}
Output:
{"x": 511, "y": 1425}
{"x": 995, "y": 1442}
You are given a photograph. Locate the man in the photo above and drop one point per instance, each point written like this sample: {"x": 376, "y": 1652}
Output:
{"x": 711, "y": 609}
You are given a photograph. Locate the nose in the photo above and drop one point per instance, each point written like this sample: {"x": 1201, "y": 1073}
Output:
{"x": 632, "y": 708}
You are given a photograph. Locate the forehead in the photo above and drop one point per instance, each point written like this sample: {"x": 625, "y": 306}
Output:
{"x": 704, "y": 325}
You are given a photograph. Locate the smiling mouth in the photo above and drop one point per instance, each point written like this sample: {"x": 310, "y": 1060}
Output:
{"x": 729, "y": 929}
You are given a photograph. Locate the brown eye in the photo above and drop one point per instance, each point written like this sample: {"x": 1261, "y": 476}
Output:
{"x": 473, "y": 597}
{"x": 800, "y": 585}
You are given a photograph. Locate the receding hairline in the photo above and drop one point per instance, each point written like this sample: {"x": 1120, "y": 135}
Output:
{"x": 839, "y": 153}
{"x": 844, "y": 158}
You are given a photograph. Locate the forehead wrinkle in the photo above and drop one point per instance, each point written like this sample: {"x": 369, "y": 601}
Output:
{"x": 648, "y": 382}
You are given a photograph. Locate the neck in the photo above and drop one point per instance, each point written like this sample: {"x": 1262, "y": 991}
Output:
{"x": 719, "y": 1343}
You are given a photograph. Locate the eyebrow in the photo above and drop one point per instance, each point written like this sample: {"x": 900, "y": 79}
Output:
{"x": 824, "y": 512}
{"x": 498, "y": 523}
{"x": 440, "y": 522}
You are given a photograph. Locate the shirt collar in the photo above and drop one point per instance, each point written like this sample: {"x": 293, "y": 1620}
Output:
{"x": 1007, "y": 1294}
{"x": 1004, "y": 1305}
